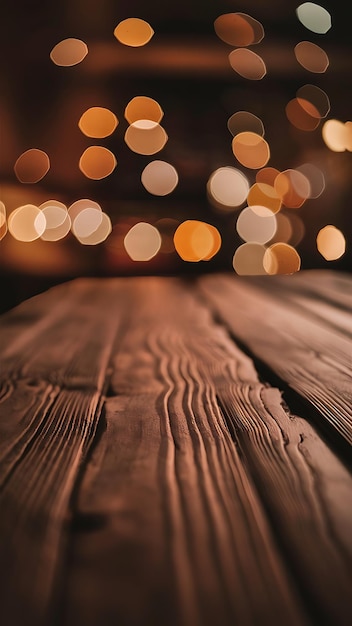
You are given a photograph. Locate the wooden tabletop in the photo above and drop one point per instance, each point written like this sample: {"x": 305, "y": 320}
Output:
{"x": 177, "y": 452}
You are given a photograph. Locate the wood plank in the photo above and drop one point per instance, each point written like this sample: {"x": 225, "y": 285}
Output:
{"x": 311, "y": 357}
{"x": 53, "y": 374}
{"x": 180, "y": 510}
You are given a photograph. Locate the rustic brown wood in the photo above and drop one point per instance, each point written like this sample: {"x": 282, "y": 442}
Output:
{"x": 307, "y": 353}
{"x": 148, "y": 473}
{"x": 53, "y": 372}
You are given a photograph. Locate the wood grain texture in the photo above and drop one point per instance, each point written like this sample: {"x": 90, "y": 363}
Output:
{"x": 149, "y": 476}
{"x": 305, "y": 351}
{"x": 185, "y": 539}
{"x": 52, "y": 375}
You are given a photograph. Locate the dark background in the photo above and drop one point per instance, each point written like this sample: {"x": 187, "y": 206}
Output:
{"x": 185, "y": 68}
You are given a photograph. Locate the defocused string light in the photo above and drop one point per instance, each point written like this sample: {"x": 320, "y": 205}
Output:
{"x": 238, "y": 29}
{"x": 314, "y": 17}
{"x": 133, "y": 32}
{"x": 228, "y": 187}
{"x": 26, "y": 223}
{"x": 292, "y": 187}
{"x": 3, "y": 220}
{"x": 304, "y": 118}
{"x": 247, "y": 64}
{"x": 336, "y": 135}
{"x": 69, "y": 52}
{"x": 331, "y": 243}
{"x": 312, "y": 99}
{"x": 245, "y": 121}
{"x": 98, "y": 122}
{"x": 99, "y": 235}
{"x": 86, "y": 222}
{"x": 32, "y": 165}
{"x": 142, "y": 242}
{"x": 281, "y": 258}
{"x": 97, "y": 162}
{"x": 312, "y": 57}
{"x": 79, "y": 205}
{"x": 267, "y": 175}
{"x": 251, "y": 150}
{"x": 252, "y": 227}
{"x": 248, "y": 259}
{"x": 159, "y": 178}
{"x": 263, "y": 199}
{"x": 58, "y": 222}
{"x": 145, "y": 137}
{"x": 143, "y": 108}
{"x": 196, "y": 241}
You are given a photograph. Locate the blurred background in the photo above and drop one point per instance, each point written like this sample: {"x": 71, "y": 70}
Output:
{"x": 236, "y": 99}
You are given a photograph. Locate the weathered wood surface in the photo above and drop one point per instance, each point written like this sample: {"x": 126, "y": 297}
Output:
{"x": 149, "y": 473}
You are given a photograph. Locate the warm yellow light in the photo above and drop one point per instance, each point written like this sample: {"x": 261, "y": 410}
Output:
{"x": 335, "y": 135}
{"x": 252, "y": 227}
{"x": 145, "y": 137}
{"x": 100, "y": 234}
{"x": 98, "y": 122}
{"x": 263, "y": 199}
{"x": 331, "y": 243}
{"x": 251, "y": 150}
{"x": 97, "y": 162}
{"x": 143, "y": 108}
{"x": 196, "y": 241}
{"x": 244, "y": 121}
{"x": 238, "y": 29}
{"x": 3, "y": 221}
{"x": 281, "y": 258}
{"x": 133, "y": 32}
{"x": 69, "y": 52}
{"x": 26, "y": 223}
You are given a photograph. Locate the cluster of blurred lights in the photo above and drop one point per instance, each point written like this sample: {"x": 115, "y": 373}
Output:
{"x": 267, "y": 227}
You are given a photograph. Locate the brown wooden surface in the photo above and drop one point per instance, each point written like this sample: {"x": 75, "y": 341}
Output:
{"x": 154, "y": 474}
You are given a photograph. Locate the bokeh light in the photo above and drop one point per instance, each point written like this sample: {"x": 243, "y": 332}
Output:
{"x": 98, "y": 122}
{"x": 251, "y": 150}
{"x": 69, "y": 52}
{"x": 196, "y": 241}
{"x": 86, "y": 222}
{"x": 292, "y": 187}
{"x": 58, "y": 222}
{"x": 302, "y": 117}
{"x": 264, "y": 199}
{"x": 97, "y": 162}
{"x": 99, "y": 235}
{"x": 267, "y": 175}
{"x": 143, "y": 108}
{"x": 312, "y": 99}
{"x": 312, "y": 57}
{"x": 3, "y": 220}
{"x": 32, "y": 165}
{"x": 248, "y": 259}
{"x": 314, "y": 17}
{"x": 331, "y": 243}
{"x": 142, "y": 242}
{"x": 133, "y": 32}
{"x": 238, "y": 29}
{"x": 26, "y": 223}
{"x": 335, "y": 135}
{"x": 242, "y": 121}
{"x": 252, "y": 227}
{"x": 79, "y": 205}
{"x": 228, "y": 187}
{"x": 247, "y": 64}
{"x": 281, "y": 258}
{"x": 145, "y": 137}
{"x": 159, "y": 178}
